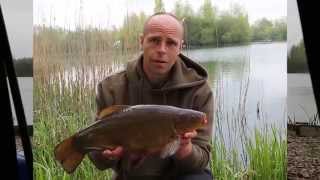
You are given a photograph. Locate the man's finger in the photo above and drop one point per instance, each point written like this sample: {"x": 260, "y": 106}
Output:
{"x": 117, "y": 151}
{"x": 107, "y": 152}
{"x": 190, "y": 134}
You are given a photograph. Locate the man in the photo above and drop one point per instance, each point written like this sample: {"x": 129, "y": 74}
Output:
{"x": 161, "y": 75}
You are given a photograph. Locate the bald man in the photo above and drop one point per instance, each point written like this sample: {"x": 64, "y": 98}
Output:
{"x": 160, "y": 75}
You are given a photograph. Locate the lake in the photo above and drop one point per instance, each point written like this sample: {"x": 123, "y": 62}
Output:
{"x": 262, "y": 66}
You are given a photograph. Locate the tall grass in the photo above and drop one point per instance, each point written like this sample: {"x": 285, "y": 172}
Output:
{"x": 64, "y": 102}
{"x": 67, "y": 68}
{"x": 266, "y": 155}
{"x": 60, "y": 111}
{"x": 244, "y": 152}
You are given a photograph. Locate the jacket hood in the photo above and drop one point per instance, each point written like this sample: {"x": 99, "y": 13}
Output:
{"x": 185, "y": 73}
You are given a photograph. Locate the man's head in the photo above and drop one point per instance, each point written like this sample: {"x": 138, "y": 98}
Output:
{"x": 161, "y": 41}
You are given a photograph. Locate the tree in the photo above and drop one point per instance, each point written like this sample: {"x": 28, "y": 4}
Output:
{"x": 262, "y": 30}
{"x": 233, "y": 26}
{"x": 279, "y": 31}
{"x": 208, "y": 24}
{"x": 191, "y": 23}
{"x": 159, "y": 6}
{"x": 297, "y": 59}
{"x": 178, "y": 10}
{"x": 240, "y": 32}
{"x": 225, "y": 23}
{"x": 183, "y": 10}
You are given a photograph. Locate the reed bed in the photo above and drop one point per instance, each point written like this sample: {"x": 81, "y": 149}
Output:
{"x": 244, "y": 152}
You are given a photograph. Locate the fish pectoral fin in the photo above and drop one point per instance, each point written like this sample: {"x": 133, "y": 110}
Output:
{"x": 110, "y": 110}
{"x": 170, "y": 148}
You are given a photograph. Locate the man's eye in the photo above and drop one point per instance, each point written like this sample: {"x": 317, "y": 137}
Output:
{"x": 154, "y": 40}
{"x": 172, "y": 43}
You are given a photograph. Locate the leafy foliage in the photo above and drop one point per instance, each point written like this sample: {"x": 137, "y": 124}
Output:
{"x": 297, "y": 60}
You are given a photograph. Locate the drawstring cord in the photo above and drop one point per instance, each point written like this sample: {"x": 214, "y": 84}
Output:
{"x": 164, "y": 98}
{"x": 141, "y": 92}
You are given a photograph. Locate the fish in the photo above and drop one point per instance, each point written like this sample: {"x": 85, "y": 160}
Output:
{"x": 139, "y": 129}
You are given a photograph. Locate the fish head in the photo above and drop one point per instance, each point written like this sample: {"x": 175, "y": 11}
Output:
{"x": 189, "y": 120}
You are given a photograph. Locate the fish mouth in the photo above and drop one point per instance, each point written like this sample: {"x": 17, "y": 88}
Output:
{"x": 94, "y": 148}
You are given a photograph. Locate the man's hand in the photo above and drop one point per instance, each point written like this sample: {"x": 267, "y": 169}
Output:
{"x": 185, "y": 144}
{"x": 113, "y": 154}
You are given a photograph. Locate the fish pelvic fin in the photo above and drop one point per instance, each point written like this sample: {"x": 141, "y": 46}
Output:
{"x": 110, "y": 110}
{"x": 68, "y": 155}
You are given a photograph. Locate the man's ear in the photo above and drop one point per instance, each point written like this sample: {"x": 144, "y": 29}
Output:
{"x": 181, "y": 45}
{"x": 141, "y": 38}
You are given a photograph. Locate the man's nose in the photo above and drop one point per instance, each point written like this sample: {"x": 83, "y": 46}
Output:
{"x": 162, "y": 47}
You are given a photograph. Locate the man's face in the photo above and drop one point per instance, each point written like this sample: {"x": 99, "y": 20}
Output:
{"x": 161, "y": 45}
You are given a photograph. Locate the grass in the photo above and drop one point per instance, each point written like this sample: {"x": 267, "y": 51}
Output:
{"x": 266, "y": 155}
{"x": 65, "y": 102}
{"x": 57, "y": 117}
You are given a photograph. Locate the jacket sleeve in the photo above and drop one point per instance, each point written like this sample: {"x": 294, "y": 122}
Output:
{"x": 103, "y": 99}
{"x": 201, "y": 145}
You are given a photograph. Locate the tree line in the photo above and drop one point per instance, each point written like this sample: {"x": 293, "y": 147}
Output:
{"x": 297, "y": 59}
{"x": 205, "y": 27}
{"x": 23, "y": 67}
{"x": 210, "y": 27}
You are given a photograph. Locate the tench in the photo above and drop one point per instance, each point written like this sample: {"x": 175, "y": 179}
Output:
{"x": 138, "y": 129}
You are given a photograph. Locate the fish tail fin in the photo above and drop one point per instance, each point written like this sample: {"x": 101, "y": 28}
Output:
{"x": 68, "y": 155}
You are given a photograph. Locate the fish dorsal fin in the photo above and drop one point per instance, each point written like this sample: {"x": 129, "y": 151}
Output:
{"x": 110, "y": 110}
{"x": 170, "y": 149}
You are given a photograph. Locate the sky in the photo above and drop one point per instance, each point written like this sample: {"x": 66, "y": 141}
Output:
{"x": 107, "y": 13}
{"x": 294, "y": 34}
{"x": 18, "y": 19}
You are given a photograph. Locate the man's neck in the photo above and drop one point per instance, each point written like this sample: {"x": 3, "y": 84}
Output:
{"x": 157, "y": 81}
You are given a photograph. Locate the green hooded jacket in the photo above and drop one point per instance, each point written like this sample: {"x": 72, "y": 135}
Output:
{"x": 186, "y": 87}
